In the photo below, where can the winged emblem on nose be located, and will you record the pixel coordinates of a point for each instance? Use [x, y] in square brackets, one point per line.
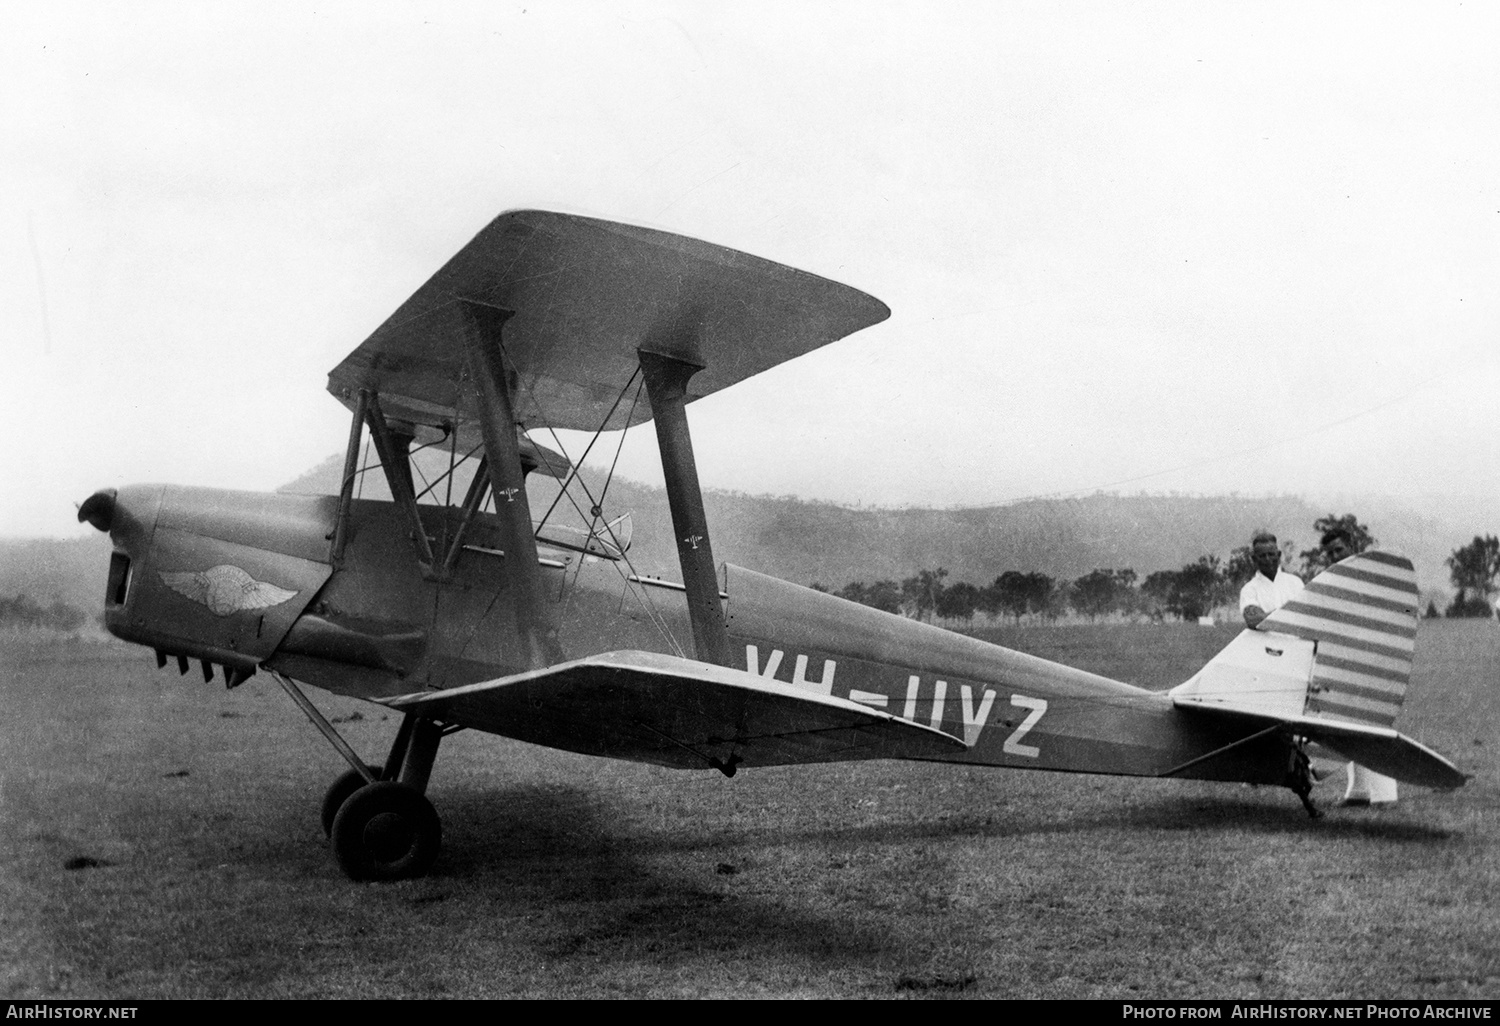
[225, 589]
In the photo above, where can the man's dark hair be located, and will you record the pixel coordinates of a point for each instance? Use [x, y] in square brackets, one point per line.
[1262, 536]
[1333, 534]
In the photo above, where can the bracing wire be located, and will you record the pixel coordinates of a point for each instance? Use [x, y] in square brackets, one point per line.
[578, 464]
[654, 615]
[360, 473]
[616, 462]
[447, 474]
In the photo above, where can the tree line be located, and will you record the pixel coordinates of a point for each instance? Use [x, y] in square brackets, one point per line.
[1473, 569]
[927, 595]
[1192, 591]
[21, 613]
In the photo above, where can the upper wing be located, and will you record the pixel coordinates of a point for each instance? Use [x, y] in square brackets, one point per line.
[677, 712]
[577, 297]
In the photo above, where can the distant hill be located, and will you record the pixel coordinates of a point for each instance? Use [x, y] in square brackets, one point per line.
[833, 545]
[807, 541]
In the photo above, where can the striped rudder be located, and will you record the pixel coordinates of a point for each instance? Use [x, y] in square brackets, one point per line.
[1362, 613]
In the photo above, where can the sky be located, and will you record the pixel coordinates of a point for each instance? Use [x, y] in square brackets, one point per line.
[1151, 247]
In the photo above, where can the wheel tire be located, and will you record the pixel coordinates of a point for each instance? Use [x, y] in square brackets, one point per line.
[386, 831]
[338, 793]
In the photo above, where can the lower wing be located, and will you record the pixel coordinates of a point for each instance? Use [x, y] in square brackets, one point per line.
[659, 709]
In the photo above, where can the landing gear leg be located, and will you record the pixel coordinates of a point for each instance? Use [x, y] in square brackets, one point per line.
[1299, 778]
[380, 822]
[388, 830]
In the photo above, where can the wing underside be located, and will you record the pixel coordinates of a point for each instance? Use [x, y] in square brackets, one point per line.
[571, 300]
[658, 709]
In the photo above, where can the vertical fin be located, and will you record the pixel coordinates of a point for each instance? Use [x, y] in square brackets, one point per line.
[1362, 614]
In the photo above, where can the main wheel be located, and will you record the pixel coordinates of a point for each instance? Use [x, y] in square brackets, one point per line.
[347, 783]
[386, 831]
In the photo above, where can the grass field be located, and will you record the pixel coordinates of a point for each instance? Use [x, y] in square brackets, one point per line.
[160, 839]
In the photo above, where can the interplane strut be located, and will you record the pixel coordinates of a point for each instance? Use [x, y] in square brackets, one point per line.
[494, 393]
[666, 388]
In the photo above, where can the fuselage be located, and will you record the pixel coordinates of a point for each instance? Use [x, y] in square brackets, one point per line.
[245, 580]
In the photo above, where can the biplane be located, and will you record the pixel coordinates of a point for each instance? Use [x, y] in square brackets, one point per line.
[456, 607]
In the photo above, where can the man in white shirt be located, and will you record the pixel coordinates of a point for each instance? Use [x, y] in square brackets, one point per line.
[1271, 587]
[1269, 590]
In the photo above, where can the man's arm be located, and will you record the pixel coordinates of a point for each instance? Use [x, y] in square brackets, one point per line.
[1253, 616]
